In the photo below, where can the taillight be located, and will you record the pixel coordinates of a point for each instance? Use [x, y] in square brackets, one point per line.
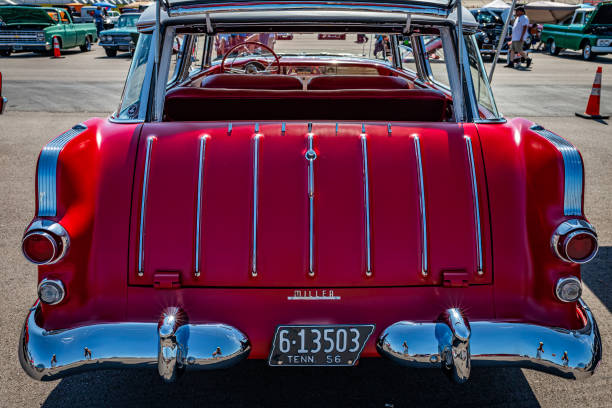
[575, 241]
[39, 247]
[45, 242]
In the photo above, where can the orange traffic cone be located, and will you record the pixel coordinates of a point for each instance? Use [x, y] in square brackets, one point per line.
[592, 109]
[56, 48]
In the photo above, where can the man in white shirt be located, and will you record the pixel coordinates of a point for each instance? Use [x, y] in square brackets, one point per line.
[519, 33]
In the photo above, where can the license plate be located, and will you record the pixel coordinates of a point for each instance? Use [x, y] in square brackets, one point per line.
[332, 345]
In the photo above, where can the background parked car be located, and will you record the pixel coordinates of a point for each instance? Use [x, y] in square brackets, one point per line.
[28, 29]
[588, 30]
[491, 25]
[123, 37]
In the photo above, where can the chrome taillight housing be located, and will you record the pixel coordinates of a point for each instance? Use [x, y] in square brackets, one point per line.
[575, 241]
[45, 242]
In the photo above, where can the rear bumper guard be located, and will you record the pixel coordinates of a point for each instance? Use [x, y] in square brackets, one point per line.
[454, 345]
[172, 345]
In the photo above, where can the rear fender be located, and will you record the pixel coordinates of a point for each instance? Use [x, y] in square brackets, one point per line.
[525, 175]
[93, 180]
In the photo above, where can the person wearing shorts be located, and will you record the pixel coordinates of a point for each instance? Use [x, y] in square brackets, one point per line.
[519, 33]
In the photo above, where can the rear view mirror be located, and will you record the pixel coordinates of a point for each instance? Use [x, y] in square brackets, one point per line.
[3, 100]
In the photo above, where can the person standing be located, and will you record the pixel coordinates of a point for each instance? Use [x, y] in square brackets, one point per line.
[519, 33]
[99, 20]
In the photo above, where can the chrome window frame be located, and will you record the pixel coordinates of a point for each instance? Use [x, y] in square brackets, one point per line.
[164, 67]
[466, 111]
[485, 77]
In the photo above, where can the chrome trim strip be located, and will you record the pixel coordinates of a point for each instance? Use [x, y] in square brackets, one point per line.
[177, 11]
[113, 119]
[366, 200]
[558, 351]
[143, 204]
[256, 139]
[49, 355]
[417, 149]
[468, 143]
[311, 156]
[572, 164]
[229, 129]
[202, 156]
[47, 171]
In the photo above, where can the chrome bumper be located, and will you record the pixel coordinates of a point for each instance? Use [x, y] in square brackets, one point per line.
[170, 345]
[455, 345]
[601, 49]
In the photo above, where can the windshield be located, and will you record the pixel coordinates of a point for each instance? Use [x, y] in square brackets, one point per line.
[486, 18]
[127, 21]
[338, 45]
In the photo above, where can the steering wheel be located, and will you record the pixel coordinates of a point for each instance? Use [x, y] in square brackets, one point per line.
[245, 44]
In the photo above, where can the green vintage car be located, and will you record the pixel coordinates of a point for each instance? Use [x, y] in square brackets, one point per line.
[26, 29]
[589, 30]
[123, 37]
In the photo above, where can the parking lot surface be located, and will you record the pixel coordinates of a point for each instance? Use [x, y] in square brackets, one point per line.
[48, 96]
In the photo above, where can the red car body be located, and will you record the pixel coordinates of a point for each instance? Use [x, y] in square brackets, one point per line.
[229, 228]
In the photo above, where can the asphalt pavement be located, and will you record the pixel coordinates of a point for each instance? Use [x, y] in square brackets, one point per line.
[48, 96]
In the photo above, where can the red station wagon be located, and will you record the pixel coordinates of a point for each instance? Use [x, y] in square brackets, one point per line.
[308, 202]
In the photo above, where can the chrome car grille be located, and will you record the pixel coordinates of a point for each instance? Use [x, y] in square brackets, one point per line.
[19, 36]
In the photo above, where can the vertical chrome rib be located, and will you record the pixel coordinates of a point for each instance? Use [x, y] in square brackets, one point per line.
[283, 128]
[470, 152]
[417, 149]
[388, 129]
[366, 197]
[229, 129]
[199, 203]
[143, 205]
[256, 141]
[311, 156]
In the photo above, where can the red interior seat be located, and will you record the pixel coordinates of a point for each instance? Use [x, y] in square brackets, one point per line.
[330, 82]
[202, 104]
[253, 81]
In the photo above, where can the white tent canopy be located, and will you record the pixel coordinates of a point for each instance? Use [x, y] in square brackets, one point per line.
[548, 12]
[496, 4]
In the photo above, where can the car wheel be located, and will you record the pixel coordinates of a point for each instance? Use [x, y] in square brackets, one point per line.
[110, 52]
[5, 53]
[552, 47]
[587, 53]
[87, 46]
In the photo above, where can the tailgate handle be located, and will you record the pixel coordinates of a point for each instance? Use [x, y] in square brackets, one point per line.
[455, 279]
[166, 280]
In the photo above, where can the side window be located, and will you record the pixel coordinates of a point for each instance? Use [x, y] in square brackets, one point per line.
[64, 17]
[578, 18]
[407, 55]
[435, 59]
[197, 54]
[175, 59]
